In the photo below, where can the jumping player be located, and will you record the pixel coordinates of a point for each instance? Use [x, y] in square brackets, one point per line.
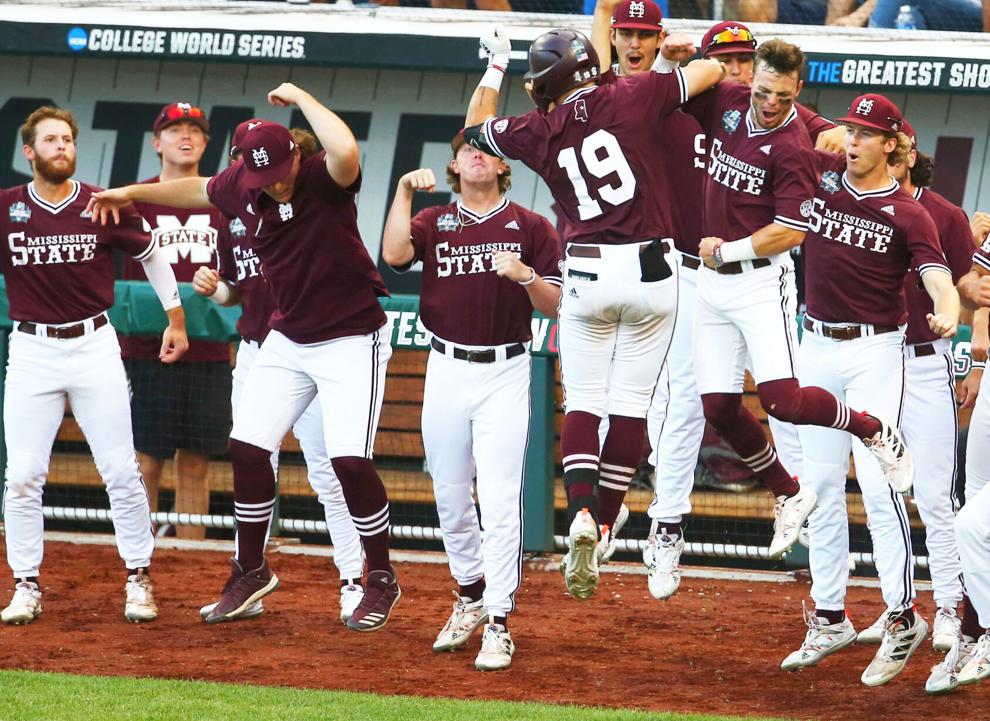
[59, 271]
[327, 337]
[600, 149]
[865, 234]
[241, 280]
[487, 263]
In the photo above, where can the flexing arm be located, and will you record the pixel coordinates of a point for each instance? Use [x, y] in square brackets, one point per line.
[342, 152]
[181, 193]
[768, 241]
[974, 288]
[397, 246]
[943, 293]
[702, 75]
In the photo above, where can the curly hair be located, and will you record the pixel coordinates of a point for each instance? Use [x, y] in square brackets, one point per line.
[780, 56]
[29, 130]
[924, 168]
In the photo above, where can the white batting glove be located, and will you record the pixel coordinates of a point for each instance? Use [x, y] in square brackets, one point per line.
[496, 46]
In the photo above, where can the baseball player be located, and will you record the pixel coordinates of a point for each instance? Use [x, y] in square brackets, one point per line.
[241, 280]
[760, 176]
[326, 338]
[59, 271]
[181, 409]
[487, 263]
[865, 233]
[600, 150]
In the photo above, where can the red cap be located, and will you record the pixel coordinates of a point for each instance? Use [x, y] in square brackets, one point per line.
[267, 153]
[239, 132]
[639, 14]
[874, 111]
[727, 37]
[908, 130]
[174, 112]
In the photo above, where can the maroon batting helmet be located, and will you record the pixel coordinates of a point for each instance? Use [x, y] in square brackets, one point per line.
[560, 60]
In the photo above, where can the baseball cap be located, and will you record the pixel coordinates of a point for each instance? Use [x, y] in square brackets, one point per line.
[874, 111]
[267, 153]
[727, 37]
[239, 132]
[174, 112]
[457, 141]
[638, 14]
[908, 130]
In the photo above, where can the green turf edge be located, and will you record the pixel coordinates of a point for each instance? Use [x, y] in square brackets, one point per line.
[26, 695]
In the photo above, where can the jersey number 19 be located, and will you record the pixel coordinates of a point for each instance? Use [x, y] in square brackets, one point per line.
[599, 164]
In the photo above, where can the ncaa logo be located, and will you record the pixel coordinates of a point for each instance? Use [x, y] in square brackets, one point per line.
[830, 182]
[260, 157]
[637, 9]
[77, 39]
[730, 120]
[865, 107]
[447, 223]
[237, 229]
[19, 213]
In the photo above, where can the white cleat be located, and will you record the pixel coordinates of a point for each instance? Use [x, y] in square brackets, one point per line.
[350, 597]
[606, 543]
[25, 605]
[662, 557]
[140, 605]
[873, 634]
[581, 561]
[496, 649]
[467, 617]
[789, 515]
[899, 642]
[892, 454]
[821, 640]
[253, 610]
[946, 629]
[945, 675]
[977, 667]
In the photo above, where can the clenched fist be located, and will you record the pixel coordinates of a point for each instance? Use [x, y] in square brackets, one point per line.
[421, 179]
[205, 281]
[941, 324]
[496, 47]
[508, 265]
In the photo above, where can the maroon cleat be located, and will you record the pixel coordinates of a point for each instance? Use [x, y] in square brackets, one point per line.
[381, 594]
[241, 591]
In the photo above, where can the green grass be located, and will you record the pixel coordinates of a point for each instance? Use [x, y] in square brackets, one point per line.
[26, 696]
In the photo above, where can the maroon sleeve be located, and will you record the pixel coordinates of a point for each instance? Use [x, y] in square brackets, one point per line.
[815, 123]
[226, 266]
[544, 252]
[316, 179]
[130, 236]
[663, 92]
[520, 138]
[922, 242]
[700, 106]
[829, 161]
[422, 230]
[958, 244]
[794, 181]
[225, 191]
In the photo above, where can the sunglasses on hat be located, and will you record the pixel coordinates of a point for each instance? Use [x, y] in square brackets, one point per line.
[178, 111]
[731, 35]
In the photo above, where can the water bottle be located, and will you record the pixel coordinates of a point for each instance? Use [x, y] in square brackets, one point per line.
[905, 19]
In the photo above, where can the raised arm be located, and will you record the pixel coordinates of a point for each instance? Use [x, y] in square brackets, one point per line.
[397, 245]
[702, 75]
[181, 193]
[601, 30]
[484, 101]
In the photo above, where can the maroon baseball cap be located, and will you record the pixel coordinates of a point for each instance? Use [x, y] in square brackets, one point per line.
[267, 153]
[726, 38]
[174, 112]
[638, 14]
[874, 111]
[908, 130]
[239, 132]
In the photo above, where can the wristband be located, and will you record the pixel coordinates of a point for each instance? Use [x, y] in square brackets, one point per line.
[532, 278]
[978, 364]
[222, 294]
[663, 66]
[492, 78]
[717, 254]
[741, 249]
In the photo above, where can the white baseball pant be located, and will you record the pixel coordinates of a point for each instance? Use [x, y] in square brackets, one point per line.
[867, 372]
[476, 424]
[973, 521]
[348, 554]
[41, 373]
[931, 429]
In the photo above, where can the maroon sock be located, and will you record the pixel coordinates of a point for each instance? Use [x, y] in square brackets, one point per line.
[832, 617]
[620, 456]
[367, 503]
[579, 447]
[971, 620]
[474, 591]
[254, 501]
[787, 401]
[744, 433]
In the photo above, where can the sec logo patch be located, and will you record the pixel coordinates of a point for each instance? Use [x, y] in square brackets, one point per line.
[806, 208]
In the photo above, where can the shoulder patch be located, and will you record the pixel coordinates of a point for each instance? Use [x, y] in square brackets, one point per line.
[731, 120]
[830, 181]
[447, 223]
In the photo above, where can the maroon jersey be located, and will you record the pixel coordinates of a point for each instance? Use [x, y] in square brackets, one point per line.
[322, 279]
[57, 262]
[463, 300]
[956, 240]
[241, 266]
[815, 123]
[602, 153]
[755, 176]
[982, 255]
[860, 247]
[686, 177]
[188, 239]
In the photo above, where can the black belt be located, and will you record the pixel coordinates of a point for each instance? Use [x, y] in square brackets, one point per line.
[846, 332]
[736, 266]
[688, 261]
[64, 332]
[594, 251]
[489, 355]
[924, 349]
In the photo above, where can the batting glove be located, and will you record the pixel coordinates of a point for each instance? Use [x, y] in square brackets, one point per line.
[496, 46]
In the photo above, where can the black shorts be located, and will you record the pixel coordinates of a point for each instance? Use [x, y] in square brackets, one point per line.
[181, 405]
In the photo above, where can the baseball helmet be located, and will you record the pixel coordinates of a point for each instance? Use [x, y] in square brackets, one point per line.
[560, 60]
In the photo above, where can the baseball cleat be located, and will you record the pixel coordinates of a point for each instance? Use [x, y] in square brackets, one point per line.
[944, 676]
[496, 649]
[892, 454]
[662, 557]
[606, 543]
[252, 611]
[350, 597]
[789, 515]
[140, 605]
[242, 590]
[381, 594]
[823, 638]
[900, 640]
[25, 605]
[581, 561]
[873, 634]
[977, 667]
[466, 618]
[945, 629]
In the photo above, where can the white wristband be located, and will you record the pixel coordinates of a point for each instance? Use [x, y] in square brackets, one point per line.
[222, 294]
[663, 65]
[978, 364]
[492, 78]
[741, 249]
[532, 278]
